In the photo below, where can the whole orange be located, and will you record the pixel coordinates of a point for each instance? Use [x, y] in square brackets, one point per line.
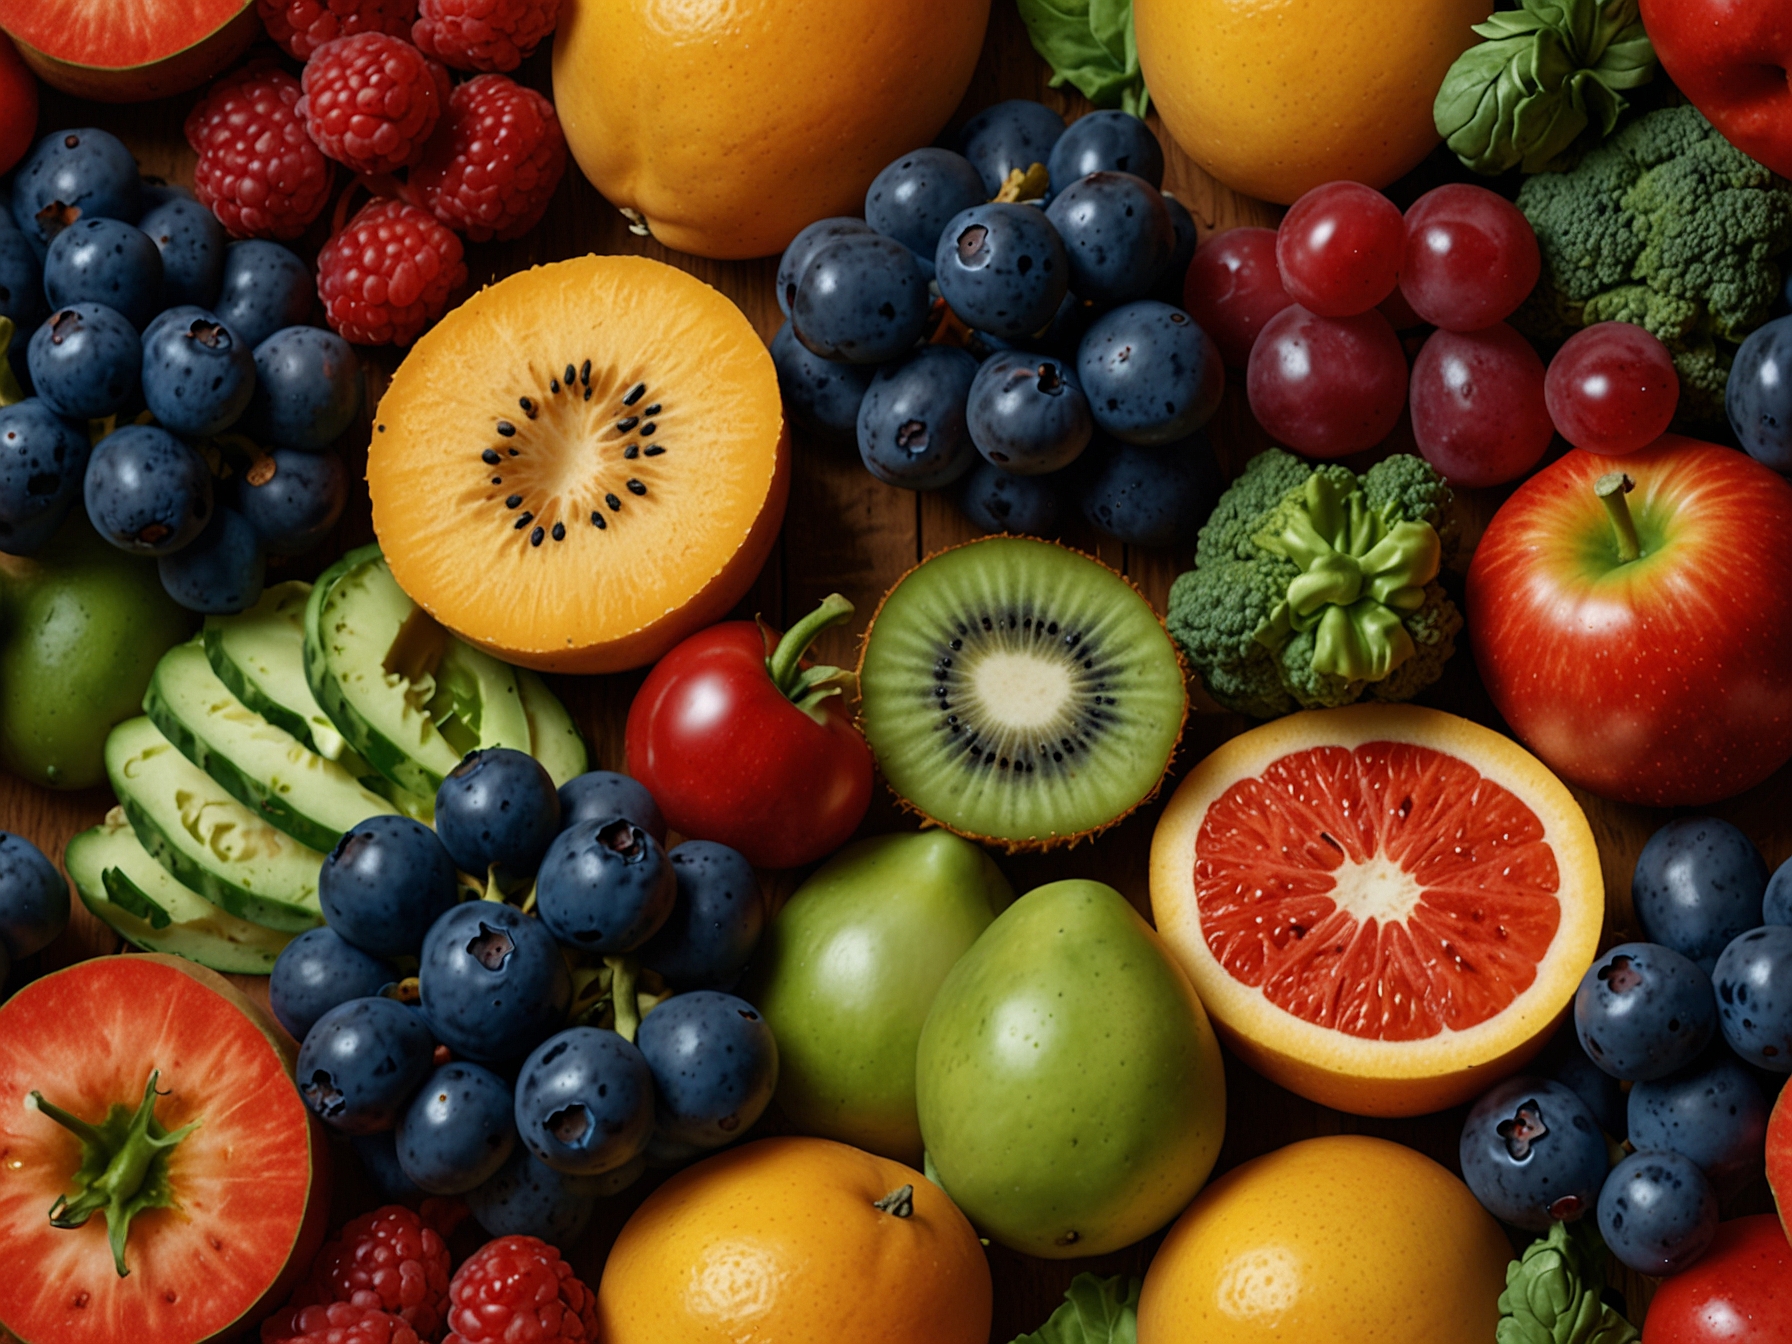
[729, 126]
[796, 1241]
[1274, 97]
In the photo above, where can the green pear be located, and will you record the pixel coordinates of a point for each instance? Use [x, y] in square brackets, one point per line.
[847, 971]
[1070, 1088]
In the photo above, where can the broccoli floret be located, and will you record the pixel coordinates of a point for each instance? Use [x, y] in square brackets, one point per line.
[1669, 226]
[1313, 587]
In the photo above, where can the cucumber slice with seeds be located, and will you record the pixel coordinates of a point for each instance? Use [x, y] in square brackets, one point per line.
[553, 737]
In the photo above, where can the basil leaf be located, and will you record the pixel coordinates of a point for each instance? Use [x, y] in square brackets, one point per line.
[1095, 1311]
[1090, 44]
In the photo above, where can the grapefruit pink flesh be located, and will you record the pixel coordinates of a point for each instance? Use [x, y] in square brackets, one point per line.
[129, 50]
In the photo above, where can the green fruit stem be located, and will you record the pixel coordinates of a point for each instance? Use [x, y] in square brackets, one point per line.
[10, 391]
[623, 974]
[807, 687]
[124, 1167]
[1611, 489]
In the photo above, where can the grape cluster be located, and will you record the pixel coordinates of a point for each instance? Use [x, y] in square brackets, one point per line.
[997, 324]
[176, 390]
[544, 1052]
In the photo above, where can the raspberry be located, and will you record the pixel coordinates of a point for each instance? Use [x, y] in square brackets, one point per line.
[518, 1290]
[483, 34]
[258, 169]
[493, 166]
[335, 1323]
[387, 1261]
[302, 26]
[388, 274]
[371, 101]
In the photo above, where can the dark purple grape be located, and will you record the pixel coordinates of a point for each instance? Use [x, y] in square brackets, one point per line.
[1657, 1213]
[1698, 884]
[307, 389]
[146, 491]
[496, 813]
[293, 508]
[458, 1130]
[1753, 981]
[265, 288]
[1711, 1112]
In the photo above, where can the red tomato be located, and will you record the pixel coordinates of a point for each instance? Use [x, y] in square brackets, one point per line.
[739, 743]
[1739, 1292]
[18, 105]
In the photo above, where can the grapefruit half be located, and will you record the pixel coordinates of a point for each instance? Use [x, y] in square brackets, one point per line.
[1384, 908]
[1779, 1156]
[129, 51]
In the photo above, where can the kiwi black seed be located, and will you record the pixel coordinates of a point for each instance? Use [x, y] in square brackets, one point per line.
[1017, 691]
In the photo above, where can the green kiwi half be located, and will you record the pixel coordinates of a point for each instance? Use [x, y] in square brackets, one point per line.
[1020, 692]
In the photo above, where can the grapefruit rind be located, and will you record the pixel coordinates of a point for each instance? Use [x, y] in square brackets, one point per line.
[145, 68]
[1779, 1156]
[1353, 1073]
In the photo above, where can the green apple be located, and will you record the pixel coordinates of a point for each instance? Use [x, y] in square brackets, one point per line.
[846, 973]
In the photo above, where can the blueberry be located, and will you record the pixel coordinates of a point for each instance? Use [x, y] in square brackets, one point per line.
[21, 292]
[378, 1154]
[497, 813]
[1117, 234]
[307, 389]
[1150, 496]
[1002, 269]
[1698, 884]
[605, 887]
[492, 981]
[584, 1102]
[1776, 905]
[294, 500]
[598, 795]
[714, 1066]
[821, 395]
[1657, 1213]
[198, 375]
[803, 248]
[1532, 1153]
[146, 491]
[912, 198]
[33, 898]
[862, 298]
[221, 571]
[1015, 134]
[457, 1131]
[192, 244]
[912, 430]
[361, 1062]
[1150, 373]
[716, 919]
[108, 262]
[153, 192]
[1565, 1061]
[1643, 1011]
[386, 882]
[73, 175]
[265, 288]
[1026, 413]
[1170, 280]
[998, 501]
[316, 972]
[1758, 394]
[1711, 1112]
[530, 1199]
[1754, 997]
[43, 463]
[1106, 142]
[85, 361]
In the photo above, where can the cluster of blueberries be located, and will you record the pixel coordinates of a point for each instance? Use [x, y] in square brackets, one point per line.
[1678, 1047]
[146, 337]
[528, 1026]
[1052, 366]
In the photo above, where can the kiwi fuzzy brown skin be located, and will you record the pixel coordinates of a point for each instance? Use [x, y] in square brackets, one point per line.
[1033, 844]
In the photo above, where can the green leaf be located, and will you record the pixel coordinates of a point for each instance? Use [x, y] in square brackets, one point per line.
[1095, 1311]
[1553, 1293]
[1090, 44]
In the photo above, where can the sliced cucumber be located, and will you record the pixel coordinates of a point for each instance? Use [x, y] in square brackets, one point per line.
[130, 891]
[265, 768]
[208, 840]
[553, 737]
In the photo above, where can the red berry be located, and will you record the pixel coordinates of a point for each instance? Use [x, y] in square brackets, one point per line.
[371, 101]
[387, 1260]
[1327, 386]
[1471, 257]
[1233, 288]
[483, 34]
[1339, 249]
[1478, 413]
[517, 1290]
[302, 26]
[493, 167]
[259, 170]
[388, 274]
[335, 1323]
[1612, 388]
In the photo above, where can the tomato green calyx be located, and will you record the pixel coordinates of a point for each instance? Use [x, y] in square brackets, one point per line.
[124, 1166]
[899, 1203]
[807, 687]
[10, 391]
[1611, 489]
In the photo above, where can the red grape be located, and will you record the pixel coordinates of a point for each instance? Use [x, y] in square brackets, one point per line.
[1327, 386]
[1233, 288]
[1339, 249]
[1471, 257]
[1477, 405]
[1612, 388]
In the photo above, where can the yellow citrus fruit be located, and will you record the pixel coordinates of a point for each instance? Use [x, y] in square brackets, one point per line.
[1274, 97]
[1345, 1239]
[1384, 908]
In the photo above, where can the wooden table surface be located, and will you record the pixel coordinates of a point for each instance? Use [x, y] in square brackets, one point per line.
[849, 533]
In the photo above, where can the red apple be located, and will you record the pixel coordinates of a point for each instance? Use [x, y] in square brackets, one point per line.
[1779, 1156]
[1654, 668]
[1730, 57]
[1739, 1291]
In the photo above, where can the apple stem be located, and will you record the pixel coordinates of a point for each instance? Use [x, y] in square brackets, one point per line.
[1611, 489]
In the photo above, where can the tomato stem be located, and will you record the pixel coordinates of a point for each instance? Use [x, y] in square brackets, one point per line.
[1611, 489]
[807, 687]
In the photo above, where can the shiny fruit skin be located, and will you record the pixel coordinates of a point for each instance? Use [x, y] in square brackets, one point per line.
[1478, 413]
[1739, 1292]
[1345, 1238]
[18, 106]
[1232, 288]
[1339, 249]
[781, 1240]
[1667, 681]
[1471, 257]
[730, 127]
[1327, 386]
[1779, 1156]
[1612, 388]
